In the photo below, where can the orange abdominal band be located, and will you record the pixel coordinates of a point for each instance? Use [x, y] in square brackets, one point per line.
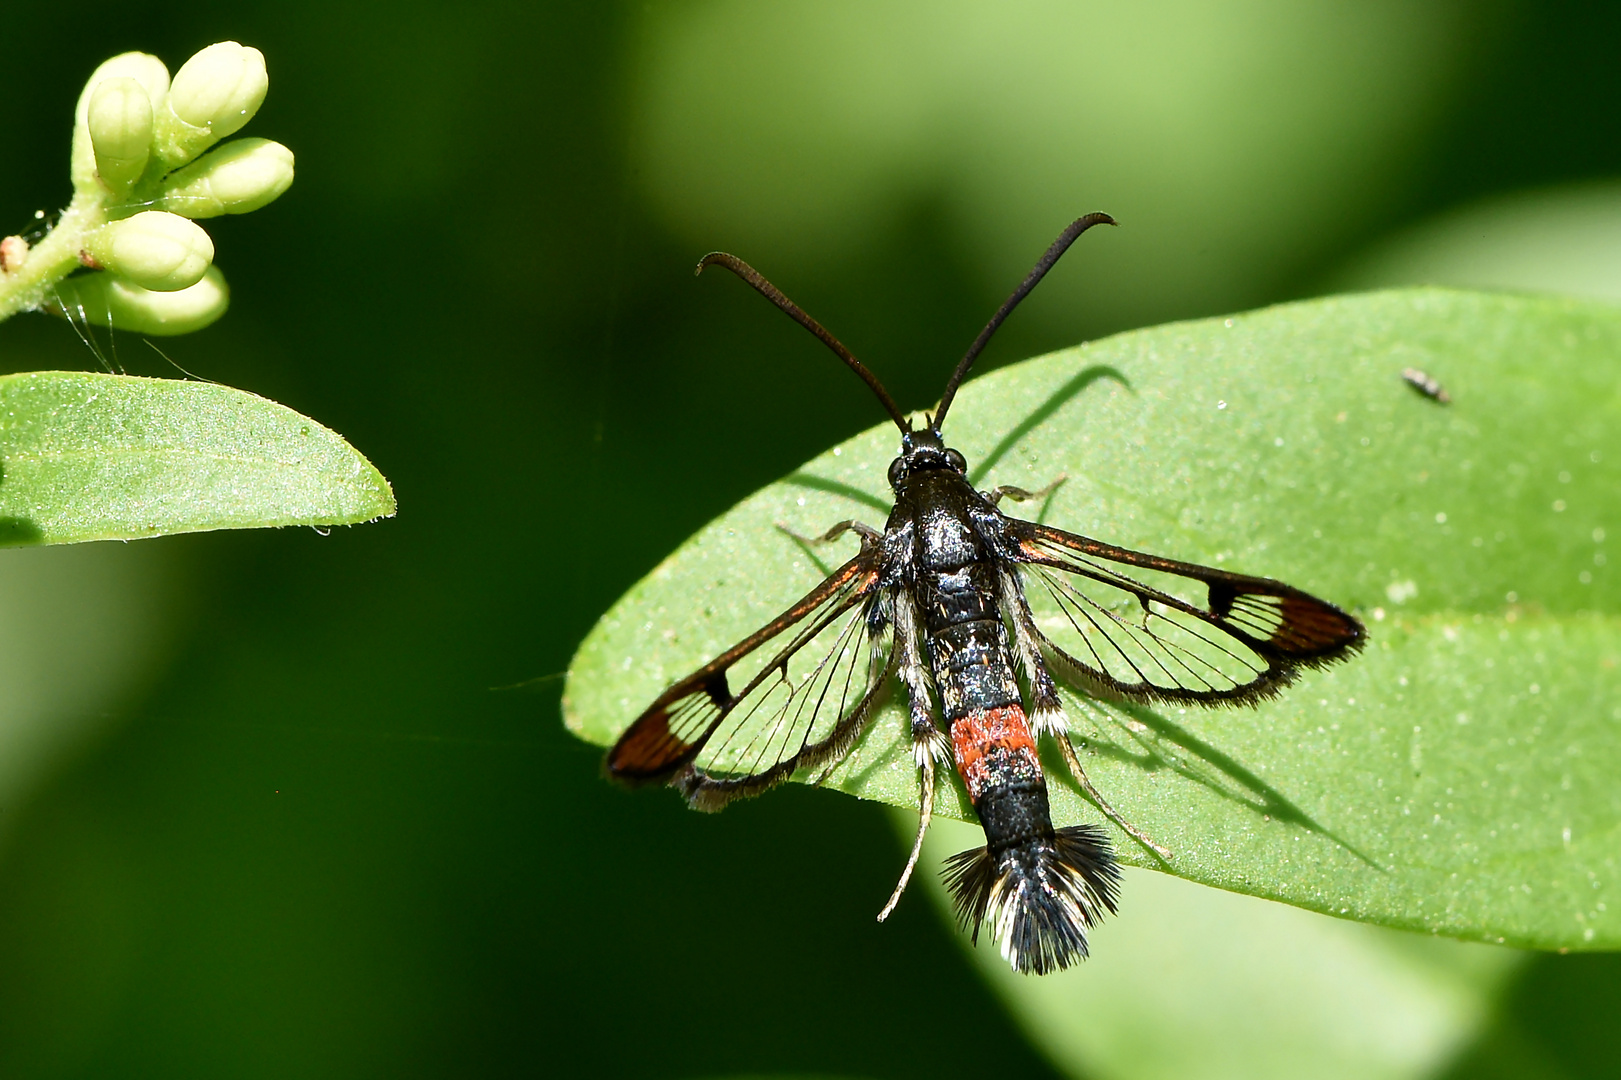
[992, 743]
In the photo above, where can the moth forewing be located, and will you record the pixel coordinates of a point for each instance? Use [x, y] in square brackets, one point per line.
[744, 701]
[1203, 635]
[1138, 642]
[797, 698]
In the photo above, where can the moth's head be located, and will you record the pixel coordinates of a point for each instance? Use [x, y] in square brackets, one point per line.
[921, 451]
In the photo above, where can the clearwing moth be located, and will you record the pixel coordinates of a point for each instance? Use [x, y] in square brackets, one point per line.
[941, 598]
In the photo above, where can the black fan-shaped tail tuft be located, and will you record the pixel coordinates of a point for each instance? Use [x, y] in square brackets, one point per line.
[1039, 897]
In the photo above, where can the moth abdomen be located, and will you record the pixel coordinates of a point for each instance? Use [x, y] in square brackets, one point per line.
[1038, 896]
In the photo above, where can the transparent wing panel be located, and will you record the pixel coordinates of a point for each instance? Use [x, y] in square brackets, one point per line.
[791, 695]
[1150, 628]
[796, 699]
[1137, 641]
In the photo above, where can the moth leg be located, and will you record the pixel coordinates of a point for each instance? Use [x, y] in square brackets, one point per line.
[1046, 711]
[925, 815]
[1018, 494]
[867, 533]
[1047, 714]
[929, 744]
[1074, 762]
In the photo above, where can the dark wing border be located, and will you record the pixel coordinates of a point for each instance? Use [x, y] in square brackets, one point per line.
[650, 751]
[1297, 630]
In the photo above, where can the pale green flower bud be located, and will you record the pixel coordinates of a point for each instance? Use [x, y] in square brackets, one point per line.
[220, 88]
[145, 69]
[120, 122]
[109, 300]
[155, 250]
[240, 176]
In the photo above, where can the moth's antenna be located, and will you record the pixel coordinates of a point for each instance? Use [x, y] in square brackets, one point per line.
[1044, 264]
[793, 310]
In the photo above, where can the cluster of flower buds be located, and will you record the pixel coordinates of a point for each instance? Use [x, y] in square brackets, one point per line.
[141, 146]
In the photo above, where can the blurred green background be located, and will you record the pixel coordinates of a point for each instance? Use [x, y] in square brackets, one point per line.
[275, 803]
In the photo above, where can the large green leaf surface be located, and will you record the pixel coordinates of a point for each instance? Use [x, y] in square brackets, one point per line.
[1460, 775]
[87, 456]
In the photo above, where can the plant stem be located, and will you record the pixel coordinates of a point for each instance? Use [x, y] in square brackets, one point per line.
[53, 258]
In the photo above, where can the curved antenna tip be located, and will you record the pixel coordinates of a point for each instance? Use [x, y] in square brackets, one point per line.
[793, 311]
[1039, 271]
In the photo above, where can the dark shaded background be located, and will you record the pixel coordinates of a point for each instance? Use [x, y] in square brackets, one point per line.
[321, 844]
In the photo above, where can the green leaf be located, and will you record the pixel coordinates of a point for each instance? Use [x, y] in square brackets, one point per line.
[1459, 775]
[1251, 989]
[110, 457]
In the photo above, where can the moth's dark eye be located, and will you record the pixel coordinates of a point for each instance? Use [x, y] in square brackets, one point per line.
[897, 469]
[956, 461]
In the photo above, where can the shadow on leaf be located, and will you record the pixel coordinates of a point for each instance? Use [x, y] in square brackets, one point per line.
[1041, 413]
[1161, 744]
[19, 532]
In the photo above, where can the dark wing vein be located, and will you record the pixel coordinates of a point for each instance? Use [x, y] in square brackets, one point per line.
[1152, 636]
[801, 705]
